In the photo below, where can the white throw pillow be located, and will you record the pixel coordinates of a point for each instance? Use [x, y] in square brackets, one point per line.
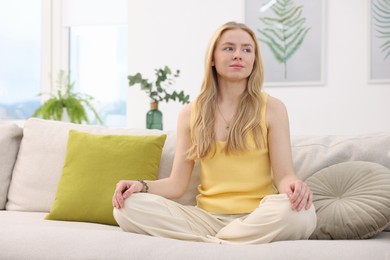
[313, 153]
[42, 152]
[10, 136]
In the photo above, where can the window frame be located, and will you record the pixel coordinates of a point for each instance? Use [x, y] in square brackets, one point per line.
[55, 47]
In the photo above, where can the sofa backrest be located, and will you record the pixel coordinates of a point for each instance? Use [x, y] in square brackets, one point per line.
[10, 136]
[313, 153]
[39, 163]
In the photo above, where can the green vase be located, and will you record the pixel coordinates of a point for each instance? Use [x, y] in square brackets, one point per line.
[154, 117]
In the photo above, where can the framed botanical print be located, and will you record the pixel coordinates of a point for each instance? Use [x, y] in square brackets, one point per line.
[291, 34]
[379, 41]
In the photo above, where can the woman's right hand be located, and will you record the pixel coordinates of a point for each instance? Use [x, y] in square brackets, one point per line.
[123, 190]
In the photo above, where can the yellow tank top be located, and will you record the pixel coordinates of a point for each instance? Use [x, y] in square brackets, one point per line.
[236, 183]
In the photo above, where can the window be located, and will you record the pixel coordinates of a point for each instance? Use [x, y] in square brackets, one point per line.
[20, 63]
[90, 43]
[98, 65]
[96, 47]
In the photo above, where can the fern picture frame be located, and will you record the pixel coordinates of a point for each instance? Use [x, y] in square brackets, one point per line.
[379, 41]
[291, 34]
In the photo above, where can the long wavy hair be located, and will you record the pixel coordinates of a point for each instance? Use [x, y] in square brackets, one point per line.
[247, 117]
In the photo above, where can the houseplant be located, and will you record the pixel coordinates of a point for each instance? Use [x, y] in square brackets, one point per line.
[67, 103]
[158, 91]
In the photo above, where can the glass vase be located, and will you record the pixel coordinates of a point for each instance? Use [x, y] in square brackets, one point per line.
[154, 117]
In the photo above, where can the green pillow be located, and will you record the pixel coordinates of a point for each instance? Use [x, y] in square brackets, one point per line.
[93, 166]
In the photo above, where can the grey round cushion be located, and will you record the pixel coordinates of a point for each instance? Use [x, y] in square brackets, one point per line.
[352, 200]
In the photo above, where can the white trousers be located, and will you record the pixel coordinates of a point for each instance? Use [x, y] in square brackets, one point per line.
[273, 220]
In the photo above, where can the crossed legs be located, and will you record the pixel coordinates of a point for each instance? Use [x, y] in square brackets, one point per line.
[272, 221]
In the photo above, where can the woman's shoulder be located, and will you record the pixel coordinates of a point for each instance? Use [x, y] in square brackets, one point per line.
[186, 110]
[185, 114]
[274, 104]
[276, 110]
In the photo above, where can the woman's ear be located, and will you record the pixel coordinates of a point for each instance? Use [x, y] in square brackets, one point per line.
[212, 63]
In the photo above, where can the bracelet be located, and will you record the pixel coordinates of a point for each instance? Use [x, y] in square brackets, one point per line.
[145, 187]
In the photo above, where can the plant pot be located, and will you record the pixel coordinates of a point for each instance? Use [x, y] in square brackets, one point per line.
[65, 117]
[154, 117]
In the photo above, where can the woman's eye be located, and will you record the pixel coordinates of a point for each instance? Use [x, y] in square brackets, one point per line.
[228, 49]
[247, 50]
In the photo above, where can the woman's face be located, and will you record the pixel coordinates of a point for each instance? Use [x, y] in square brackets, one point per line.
[234, 55]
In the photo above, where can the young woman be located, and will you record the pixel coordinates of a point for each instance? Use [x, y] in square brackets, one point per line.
[248, 192]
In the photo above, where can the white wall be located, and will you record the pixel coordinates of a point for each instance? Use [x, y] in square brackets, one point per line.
[176, 33]
[173, 33]
[347, 104]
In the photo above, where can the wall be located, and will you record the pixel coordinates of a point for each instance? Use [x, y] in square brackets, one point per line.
[173, 33]
[176, 33]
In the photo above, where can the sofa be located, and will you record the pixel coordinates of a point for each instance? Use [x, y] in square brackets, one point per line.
[45, 209]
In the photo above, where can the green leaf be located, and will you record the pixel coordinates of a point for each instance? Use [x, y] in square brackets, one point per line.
[66, 99]
[284, 32]
[158, 89]
[297, 42]
[381, 17]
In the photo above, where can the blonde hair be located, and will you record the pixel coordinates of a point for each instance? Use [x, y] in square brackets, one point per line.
[247, 117]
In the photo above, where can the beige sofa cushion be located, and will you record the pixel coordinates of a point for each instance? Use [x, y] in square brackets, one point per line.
[313, 153]
[352, 200]
[41, 157]
[10, 136]
[26, 235]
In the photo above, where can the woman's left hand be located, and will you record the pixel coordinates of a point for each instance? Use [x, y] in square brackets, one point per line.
[300, 195]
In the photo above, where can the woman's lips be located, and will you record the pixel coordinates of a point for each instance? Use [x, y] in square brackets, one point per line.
[236, 66]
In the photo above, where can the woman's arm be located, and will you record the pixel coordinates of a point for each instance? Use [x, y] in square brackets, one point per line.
[176, 184]
[281, 157]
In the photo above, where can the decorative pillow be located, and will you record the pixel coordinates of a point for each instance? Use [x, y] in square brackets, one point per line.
[352, 200]
[313, 153]
[10, 136]
[92, 167]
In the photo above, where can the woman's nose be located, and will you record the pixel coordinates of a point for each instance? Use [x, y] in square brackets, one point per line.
[237, 55]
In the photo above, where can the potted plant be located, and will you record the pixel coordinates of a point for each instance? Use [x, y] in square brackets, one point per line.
[67, 103]
[158, 91]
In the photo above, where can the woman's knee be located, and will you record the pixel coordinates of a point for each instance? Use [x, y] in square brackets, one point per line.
[301, 222]
[135, 210]
[137, 204]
